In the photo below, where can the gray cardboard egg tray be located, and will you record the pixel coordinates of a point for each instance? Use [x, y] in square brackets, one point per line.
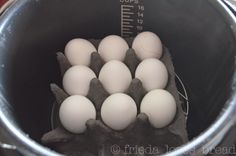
[99, 139]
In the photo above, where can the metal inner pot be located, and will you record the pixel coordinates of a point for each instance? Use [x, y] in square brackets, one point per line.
[199, 33]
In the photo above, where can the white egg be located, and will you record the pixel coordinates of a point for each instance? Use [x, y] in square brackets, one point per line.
[76, 80]
[115, 77]
[152, 73]
[147, 45]
[75, 111]
[78, 51]
[113, 47]
[118, 111]
[160, 107]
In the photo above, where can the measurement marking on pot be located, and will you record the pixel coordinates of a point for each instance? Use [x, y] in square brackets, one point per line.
[131, 20]
[129, 6]
[129, 13]
[126, 9]
[132, 17]
[126, 23]
[126, 16]
[128, 26]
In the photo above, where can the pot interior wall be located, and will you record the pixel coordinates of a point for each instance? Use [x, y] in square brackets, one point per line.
[200, 41]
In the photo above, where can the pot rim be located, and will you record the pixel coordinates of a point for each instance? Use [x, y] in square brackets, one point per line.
[216, 131]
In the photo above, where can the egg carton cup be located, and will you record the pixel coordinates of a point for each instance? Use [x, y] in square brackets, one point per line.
[99, 139]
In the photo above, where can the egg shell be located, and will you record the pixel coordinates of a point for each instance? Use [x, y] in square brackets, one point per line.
[75, 111]
[160, 107]
[115, 77]
[152, 73]
[147, 45]
[118, 111]
[78, 51]
[76, 80]
[113, 47]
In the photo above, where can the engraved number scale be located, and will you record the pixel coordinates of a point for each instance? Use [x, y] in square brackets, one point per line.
[132, 17]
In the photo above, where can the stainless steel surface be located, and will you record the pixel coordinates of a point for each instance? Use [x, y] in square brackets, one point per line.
[231, 3]
[208, 139]
[217, 131]
[6, 149]
[24, 144]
